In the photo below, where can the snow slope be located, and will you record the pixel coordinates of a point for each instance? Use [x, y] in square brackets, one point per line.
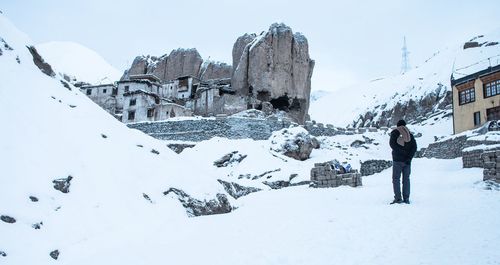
[344, 106]
[50, 132]
[78, 62]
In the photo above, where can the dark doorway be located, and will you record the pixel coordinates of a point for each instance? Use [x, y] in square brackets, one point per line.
[281, 103]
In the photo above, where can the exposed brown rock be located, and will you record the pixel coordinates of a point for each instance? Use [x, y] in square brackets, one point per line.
[179, 62]
[275, 66]
[215, 70]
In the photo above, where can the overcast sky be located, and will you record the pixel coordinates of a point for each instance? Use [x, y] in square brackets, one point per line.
[351, 41]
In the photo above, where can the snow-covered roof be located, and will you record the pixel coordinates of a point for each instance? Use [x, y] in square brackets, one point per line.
[473, 76]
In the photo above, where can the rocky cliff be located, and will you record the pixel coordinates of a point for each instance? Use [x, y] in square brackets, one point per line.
[215, 70]
[179, 62]
[275, 67]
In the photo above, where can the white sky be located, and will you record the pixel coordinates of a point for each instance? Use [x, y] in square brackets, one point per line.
[351, 41]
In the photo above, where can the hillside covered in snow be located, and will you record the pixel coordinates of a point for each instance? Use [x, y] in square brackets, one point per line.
[78, 187]
[413, 95]
[78, 63]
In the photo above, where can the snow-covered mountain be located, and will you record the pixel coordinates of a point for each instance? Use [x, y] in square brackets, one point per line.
[53, 132]
[116, 212]
[412, 95]
[78, 63]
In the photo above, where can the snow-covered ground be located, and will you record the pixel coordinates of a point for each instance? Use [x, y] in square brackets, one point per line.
[50, 132]
[452, 220]
[79, 62]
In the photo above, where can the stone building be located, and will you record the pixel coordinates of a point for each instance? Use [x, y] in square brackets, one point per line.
[103, 95]
[142, 97]
[476, 99]
[140, 105]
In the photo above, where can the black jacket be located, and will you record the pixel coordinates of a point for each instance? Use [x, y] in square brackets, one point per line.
[402, 153]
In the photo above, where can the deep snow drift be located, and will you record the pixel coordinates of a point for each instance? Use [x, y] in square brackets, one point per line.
[78, 62]
[52, 132]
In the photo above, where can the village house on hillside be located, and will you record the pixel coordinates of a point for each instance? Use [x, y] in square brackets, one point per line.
[476, 99]
[145, 97]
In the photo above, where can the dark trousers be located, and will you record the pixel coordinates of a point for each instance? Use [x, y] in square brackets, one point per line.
[397, 169]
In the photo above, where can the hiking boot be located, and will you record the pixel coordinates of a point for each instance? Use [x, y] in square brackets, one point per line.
[396, 201]
[407, 201]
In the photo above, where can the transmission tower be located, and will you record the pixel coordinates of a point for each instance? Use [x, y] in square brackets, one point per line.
[405, 59]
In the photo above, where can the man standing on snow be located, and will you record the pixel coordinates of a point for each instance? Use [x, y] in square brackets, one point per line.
[403, 147]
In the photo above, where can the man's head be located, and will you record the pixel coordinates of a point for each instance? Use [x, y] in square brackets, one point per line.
[401, 123]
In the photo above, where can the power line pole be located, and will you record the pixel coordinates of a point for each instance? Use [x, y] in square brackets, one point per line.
[405, 60]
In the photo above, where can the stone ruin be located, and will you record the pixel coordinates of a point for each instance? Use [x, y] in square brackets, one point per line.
[324, 175]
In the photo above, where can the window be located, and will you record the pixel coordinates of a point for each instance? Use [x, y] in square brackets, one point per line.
[131, 115]
[89, 92]
[477, 118]
[114, 92]
[183, 82]
[104, 91]
[151, 113]
[491, 89]
[132, 102]
[493, 114]
[127, 88]
[466, 96]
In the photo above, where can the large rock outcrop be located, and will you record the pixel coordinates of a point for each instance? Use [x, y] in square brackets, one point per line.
[413, 111]
[179, 62]
[215, 70]
[239, 46]
[275, 67]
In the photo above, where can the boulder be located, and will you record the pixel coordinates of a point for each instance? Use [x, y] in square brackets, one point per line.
[229, 159]
[8, 219]
[62, 184]
[236, 190]
[295, 142]
[275, 67]
[196, 207]
[54, 254]
[178, 148]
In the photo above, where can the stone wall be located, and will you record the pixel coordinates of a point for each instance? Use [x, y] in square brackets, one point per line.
[231, 127]
[205, 129]
[448, 149]
[371, 167]
[452, 147]
[323, 175]
[491, 170]
[472, 158]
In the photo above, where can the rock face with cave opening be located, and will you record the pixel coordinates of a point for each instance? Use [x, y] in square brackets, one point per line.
[274, 67]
